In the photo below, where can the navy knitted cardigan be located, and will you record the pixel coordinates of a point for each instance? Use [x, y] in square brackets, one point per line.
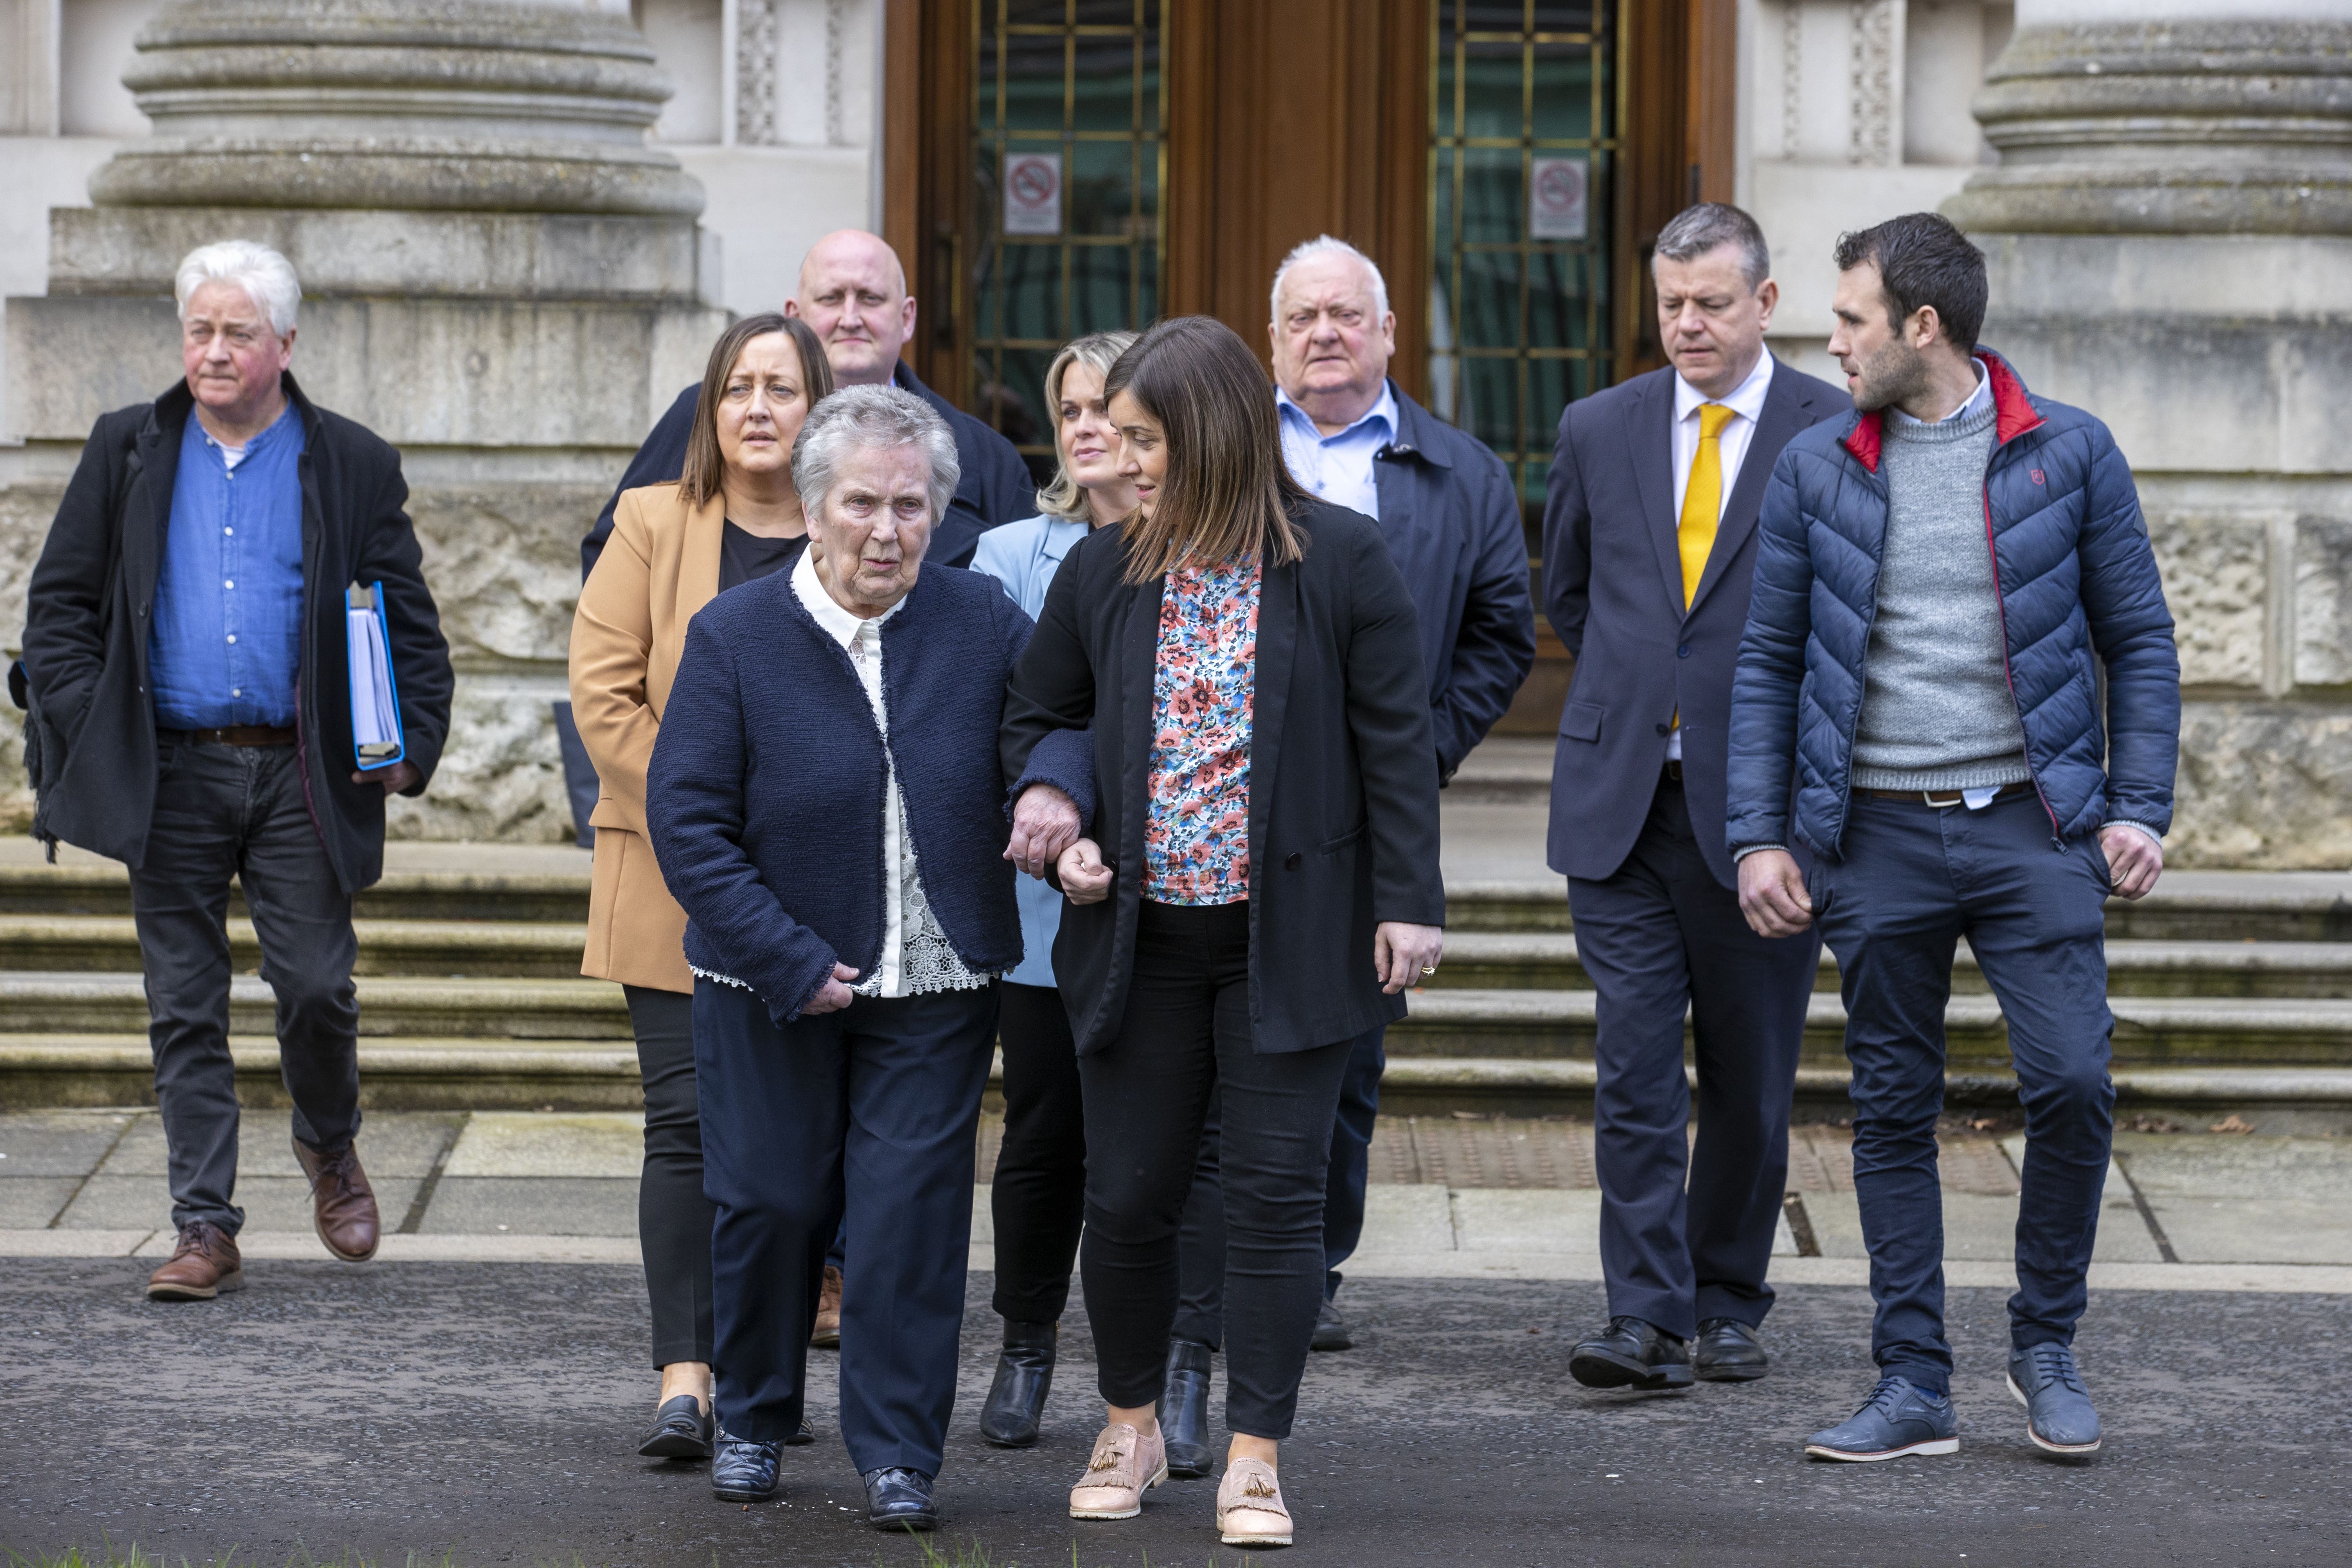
[765, 795]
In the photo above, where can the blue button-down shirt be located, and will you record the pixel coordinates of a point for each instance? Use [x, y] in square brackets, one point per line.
[1341, 469]
[228, 602]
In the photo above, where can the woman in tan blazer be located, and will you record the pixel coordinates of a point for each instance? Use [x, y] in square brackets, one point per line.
[732, 517]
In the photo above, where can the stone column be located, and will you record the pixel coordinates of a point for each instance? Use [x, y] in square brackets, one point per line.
[2170, 235]
[500, 276]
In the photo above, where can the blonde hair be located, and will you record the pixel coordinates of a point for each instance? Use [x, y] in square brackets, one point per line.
[1099, 351]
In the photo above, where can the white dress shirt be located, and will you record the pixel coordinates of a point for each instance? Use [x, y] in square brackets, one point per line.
[1343, 469]
[915, 954]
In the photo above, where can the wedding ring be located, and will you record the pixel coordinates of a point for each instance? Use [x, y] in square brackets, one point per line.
[1429, 969]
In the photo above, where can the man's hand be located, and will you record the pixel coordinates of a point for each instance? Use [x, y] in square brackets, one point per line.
[2135, 860]
[394, 779]
[834, 995]
[1405, 955]
[1085, 879]
[1772, 894]
[1044, 823]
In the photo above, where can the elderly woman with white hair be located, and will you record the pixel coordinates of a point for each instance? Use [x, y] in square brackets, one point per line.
[825, 802]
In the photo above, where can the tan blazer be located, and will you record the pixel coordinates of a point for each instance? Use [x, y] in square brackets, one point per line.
[660, 565]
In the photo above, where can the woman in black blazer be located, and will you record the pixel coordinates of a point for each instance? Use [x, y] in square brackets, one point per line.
[1247, 658]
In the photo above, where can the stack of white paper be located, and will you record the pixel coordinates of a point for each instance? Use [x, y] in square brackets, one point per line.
[375, 712]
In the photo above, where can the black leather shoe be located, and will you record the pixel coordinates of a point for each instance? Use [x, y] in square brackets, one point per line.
[802, 1438]
[1728, 1351]
[1184, 1410]
[1025, 1371]
[744, 1471]
[682, 1430]
[900, 1500]
[1331, 1329]
[1631, 1353]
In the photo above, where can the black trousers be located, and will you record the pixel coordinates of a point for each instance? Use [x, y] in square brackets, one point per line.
[1038, 1200]
[860, 1120]
[1185, 1039]
[224, 811]
[673, 1216]
[1686, 1229]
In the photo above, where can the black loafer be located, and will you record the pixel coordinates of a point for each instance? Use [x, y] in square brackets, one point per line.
[682, 1430]
[1184, 1410]
[900, 1500]
[1331, 1329]
[1631, 1353]
[1728, 1351]
[744, 1471]
[1024, 1372]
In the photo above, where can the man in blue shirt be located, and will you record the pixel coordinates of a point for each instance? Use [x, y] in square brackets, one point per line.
[186, 663]
[1452, 519]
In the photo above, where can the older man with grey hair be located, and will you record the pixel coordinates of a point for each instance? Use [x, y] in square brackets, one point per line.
[825, 800]
[187, 665]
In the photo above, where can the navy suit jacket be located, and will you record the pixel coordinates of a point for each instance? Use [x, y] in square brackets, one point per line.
[1613, 590]
[994, 489]
[1451, 517]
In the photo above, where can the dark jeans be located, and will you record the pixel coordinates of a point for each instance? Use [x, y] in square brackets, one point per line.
[673, 1216]
[1686, 1226]
[1185, 1040]
[1038, 1199]
[860, 1120]
[224, 811]
[1201, 1300]
[1910, 882]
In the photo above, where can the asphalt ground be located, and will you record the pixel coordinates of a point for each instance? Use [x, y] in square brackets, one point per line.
[488, 1411]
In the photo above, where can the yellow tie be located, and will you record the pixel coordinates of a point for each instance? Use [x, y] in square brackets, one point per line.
[1703, 499]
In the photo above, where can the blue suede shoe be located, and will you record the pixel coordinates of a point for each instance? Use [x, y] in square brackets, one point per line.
[2058, 1413]
[744, 1471]
[1898, 1418]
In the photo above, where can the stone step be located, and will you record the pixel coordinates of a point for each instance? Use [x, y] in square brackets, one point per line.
[448, 949]
[84, 886]
[1484, 961]
[397, 1005]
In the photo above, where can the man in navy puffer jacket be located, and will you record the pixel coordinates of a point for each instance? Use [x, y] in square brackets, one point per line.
[1940, 581]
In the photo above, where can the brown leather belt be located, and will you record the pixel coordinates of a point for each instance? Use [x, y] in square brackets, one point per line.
[234, 735]
[1943, 802]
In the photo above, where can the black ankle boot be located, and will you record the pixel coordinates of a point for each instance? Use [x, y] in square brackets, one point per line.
[1184, 1409]
[1025, 1371]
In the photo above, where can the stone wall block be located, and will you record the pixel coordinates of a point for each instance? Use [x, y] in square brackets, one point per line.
[503, 562]
[501, 778]
[2262, 786]
[2322, 612]
[2216, 581]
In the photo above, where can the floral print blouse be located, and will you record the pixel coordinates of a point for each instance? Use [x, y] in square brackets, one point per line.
[1196, 835]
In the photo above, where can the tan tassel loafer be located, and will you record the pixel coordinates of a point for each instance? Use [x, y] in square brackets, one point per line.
[1126, 1465]
[1250, 1510]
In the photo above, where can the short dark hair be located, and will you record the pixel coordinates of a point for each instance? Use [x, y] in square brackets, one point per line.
[1922, 260]
[1693, 231]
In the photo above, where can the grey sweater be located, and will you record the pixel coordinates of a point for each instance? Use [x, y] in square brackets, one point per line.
[1936, 711]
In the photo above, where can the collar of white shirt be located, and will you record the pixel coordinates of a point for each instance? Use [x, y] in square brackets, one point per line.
[1747, 399]
[1981, 395]
[1385, 411]
[838, 623]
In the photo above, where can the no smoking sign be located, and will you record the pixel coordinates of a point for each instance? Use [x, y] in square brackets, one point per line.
[1033, 192]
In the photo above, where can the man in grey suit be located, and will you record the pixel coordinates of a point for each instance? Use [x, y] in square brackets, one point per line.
[1649, 543]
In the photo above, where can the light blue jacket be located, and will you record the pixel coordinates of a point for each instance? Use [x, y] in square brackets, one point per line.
[1023, 556]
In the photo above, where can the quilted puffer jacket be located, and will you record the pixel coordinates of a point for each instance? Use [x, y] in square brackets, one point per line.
[2078, 588]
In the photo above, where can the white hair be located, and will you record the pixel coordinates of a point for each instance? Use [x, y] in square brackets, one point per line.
[267, 277]
[1325, 245]
[881, 416]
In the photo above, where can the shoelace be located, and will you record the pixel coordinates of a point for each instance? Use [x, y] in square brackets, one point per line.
[1885, 1396]
[2055, 1363]
[197, 1237]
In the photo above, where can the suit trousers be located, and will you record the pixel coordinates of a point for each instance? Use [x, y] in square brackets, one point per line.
[1037, 1201]
[225, 812]
[860, 1120]
[1686, 1226]
[1910, 882]
[1186, 1041]
[673, 1216]
[1201, 1300]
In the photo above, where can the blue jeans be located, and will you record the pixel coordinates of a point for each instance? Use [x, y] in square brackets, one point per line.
[1911, 880]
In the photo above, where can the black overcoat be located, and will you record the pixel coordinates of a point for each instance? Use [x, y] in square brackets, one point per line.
[1343, 830]
[92, 595]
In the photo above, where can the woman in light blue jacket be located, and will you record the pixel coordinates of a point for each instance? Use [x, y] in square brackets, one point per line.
[1040, 1185]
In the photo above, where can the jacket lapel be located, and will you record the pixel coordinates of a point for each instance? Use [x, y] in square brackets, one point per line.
[1652, 439]
[1139, 659]
[697, 562]
[142, 535]
[1277, 644]
[1782, 416]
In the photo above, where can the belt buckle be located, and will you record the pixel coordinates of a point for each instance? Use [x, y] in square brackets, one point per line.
[1928, 795]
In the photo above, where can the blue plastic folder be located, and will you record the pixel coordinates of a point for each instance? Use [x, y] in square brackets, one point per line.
[375, 695]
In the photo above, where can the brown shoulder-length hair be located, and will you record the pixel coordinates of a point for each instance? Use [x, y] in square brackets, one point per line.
[706, 469]
[1229, 495]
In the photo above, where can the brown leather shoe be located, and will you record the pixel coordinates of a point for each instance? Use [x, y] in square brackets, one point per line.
[341, 1202]
[825, 1335]
[204, 1264]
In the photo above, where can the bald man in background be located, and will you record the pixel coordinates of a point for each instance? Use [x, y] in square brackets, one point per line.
[853, 292]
